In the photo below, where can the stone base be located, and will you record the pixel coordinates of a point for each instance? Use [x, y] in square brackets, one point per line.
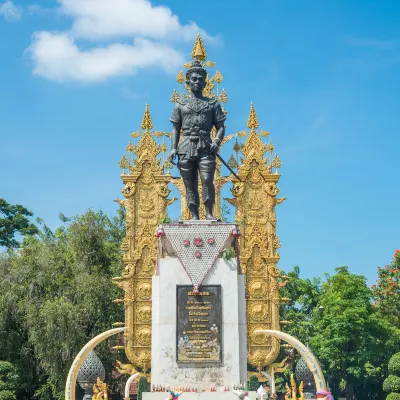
[164, 367]
[192, 396]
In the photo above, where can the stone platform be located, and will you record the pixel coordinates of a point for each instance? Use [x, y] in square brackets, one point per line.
[192, 396]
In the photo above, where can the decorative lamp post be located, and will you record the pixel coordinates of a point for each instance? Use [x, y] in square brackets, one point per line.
[91, 369]
[303, 374]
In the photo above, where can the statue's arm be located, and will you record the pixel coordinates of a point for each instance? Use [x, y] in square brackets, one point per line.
[219, 137]
[219, 123]
[176, 133]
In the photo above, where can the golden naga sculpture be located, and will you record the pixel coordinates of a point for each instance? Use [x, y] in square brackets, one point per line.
[146, 193]
[125, 369]
[255, 200]
[146, 199]
[100, 390]
[291, 392]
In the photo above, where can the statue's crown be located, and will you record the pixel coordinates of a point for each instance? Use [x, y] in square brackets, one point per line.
[197, 67]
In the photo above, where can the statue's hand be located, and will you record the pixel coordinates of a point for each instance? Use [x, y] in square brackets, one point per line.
[214, 148]
[173, 154]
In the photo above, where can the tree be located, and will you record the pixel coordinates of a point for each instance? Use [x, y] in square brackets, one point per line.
[8, 381]
[387, 299]
[392, 382]
[14, 219]
[348, 333]
[304, 296]
[55, 295]
[143, 386]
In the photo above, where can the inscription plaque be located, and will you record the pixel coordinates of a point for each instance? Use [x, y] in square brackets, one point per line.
[199, 324]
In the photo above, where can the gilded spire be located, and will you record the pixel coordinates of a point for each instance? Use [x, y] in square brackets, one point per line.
[199, 52]
[252, 122]
[147, 122]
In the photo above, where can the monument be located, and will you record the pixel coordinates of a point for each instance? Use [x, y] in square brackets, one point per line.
[201, 296]
[196, 292]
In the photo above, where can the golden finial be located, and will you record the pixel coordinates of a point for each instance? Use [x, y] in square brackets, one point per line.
[129, 148]
[124, 163]
[218, 77]
[270, 147]
[252, 122]
[199, 51]
[236, 146]
[276, 162]
[180, 78]
[147, 122]
[232, 162]
[223, 97]
[164, 147]
[175, 96]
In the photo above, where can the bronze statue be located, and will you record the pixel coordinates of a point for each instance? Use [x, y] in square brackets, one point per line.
[196, 152]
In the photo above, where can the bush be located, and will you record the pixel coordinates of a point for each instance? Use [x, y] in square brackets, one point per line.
[394, 364]
[253, 383]
[7, 395]
[393, 396]
[142, 387]
[391, 384]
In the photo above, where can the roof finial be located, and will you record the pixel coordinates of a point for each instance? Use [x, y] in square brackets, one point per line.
[147, 122]
[252, 122]
[199, 52]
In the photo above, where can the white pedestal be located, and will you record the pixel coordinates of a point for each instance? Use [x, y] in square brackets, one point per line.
[192, 396]
[164, 368]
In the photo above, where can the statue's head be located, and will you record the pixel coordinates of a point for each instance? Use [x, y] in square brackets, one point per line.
[196, 77]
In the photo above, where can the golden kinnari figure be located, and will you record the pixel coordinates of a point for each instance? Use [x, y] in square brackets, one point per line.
[146, 197]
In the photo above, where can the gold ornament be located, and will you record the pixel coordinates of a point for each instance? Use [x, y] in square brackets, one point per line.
[147, 122]
[175, 96]
[255, 201]
[124, 163]
[180, 78]
[199, 51]
[223, 97]
[218, 77]
[146, 199]
[252, 122]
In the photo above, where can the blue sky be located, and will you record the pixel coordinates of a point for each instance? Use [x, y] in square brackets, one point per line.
[324, 78]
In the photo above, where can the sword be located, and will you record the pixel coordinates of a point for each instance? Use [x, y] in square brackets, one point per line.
[218, 156]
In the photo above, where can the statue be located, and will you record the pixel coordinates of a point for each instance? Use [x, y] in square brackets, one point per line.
[196, 152]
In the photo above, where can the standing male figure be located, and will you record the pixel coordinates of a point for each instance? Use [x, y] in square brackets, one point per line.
[196, 151]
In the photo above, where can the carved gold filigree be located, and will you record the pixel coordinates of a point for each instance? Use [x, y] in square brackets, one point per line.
[146, 198]
[255, 201]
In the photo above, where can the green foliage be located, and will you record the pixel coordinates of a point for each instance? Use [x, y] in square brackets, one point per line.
[392, 384]
[393, 396]
[8, 380]
[228, 254]
[348, 333]
[14, 219]
[253, 383]
[225, 211]
[143, 386]
[55, 296]
[394, 364]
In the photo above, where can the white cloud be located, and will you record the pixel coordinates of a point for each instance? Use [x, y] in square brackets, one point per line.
[99, 19]
[10, 11]
[57, 57]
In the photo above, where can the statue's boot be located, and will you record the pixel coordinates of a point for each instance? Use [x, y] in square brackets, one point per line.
[194, 210]
[208, 205]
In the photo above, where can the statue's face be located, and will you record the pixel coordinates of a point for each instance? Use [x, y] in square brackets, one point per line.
[196, 82]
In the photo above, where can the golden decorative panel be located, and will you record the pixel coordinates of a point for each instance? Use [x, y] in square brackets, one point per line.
[146, 199]
[255, 200]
